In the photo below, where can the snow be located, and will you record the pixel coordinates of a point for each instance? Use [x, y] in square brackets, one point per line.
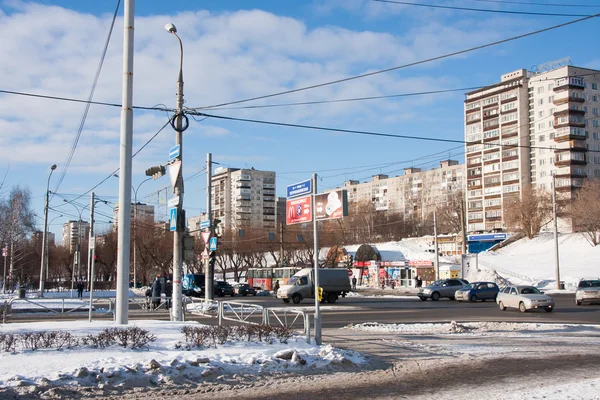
[523, 262]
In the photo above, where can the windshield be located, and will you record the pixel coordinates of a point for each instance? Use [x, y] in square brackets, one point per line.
[594, 283]
[468, 287]
[438, 282]
[530, 290]
[293, 280]
[199, 280]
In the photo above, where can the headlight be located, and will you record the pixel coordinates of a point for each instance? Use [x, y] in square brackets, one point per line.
[426, 290]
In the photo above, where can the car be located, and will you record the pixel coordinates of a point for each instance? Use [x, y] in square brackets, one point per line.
[588, 291]
[223, 288]
[442, 288]
[244, 289]
[524, 298]
[477, 291]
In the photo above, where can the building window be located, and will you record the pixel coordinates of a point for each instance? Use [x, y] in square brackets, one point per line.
[550, 99]
[541, 114]
[595, 123]
[541, 102]
[540, 90]
[595, 86]
[595, 135]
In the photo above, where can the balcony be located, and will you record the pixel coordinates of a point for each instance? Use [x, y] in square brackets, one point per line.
[268, 192]
[571, 120]
[568, 158]
[570, 82]
[568, 133]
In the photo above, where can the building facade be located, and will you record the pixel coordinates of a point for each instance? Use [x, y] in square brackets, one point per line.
[141, 212]
[244, 198]
[75, 232]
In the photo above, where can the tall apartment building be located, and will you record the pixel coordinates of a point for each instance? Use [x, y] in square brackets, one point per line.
[74, 232]
[555, 112]
[416, 193]
[144, 213]
[244, 198]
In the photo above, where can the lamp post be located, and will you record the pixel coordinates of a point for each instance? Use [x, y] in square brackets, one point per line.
[77, 246]
[180, 124]
[135, 204]
[45, 233]
[47, 249]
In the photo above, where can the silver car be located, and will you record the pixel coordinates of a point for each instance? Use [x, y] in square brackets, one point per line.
[524, 298]
[442, 288]
[588, 291]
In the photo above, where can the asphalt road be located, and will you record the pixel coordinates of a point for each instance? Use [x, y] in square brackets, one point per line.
[407, 309]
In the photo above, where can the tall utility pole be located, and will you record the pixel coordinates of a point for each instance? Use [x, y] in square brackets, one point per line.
[209, 272]
[178, 124]
[91, 253]
[44, 265]
[556, 258]
[435, 244]
[316, 261]
[123, 243]
[281, 252]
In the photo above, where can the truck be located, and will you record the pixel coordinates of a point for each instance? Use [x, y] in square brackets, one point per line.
[193, 285]
[335, 282]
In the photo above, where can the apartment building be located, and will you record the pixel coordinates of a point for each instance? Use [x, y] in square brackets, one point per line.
[416, 193]
[143, 213]
[74, 232]
[244, 198]
[553, 115]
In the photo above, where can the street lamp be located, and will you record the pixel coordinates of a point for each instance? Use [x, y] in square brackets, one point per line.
[77, 247]
[45, 233]
[47, 249]
[135, 204]
[180, 124]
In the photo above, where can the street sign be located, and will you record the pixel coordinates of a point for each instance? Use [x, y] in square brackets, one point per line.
[173, 202]
[93, 243]
[299, 189]
[205, 224]
[212, 244]
[205, 236]
[173, 219]
[174, 169]
[4, 251]
[349, 272]
[205, 254]
[174, 152]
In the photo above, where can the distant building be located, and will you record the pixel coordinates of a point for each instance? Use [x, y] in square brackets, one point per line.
[144, 213]
[75, 232]
[50, 237]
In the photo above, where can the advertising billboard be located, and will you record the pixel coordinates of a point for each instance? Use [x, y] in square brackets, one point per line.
[331, 205]
[298, 211]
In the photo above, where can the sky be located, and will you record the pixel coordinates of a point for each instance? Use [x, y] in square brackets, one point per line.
[234, 50]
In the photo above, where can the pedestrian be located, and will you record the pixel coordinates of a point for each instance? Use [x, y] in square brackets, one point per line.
[393, 283]
[276, 287]
[79, 289]
[168, 293]
[419, 282]
[353, 283]
[156, 289]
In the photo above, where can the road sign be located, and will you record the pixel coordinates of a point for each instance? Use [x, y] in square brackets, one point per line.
[4, 251]
[174, 152]
[299, 189]
[349, 272]
[205, 254]
[204, 224]
[205, 236]
[212, 244]
[173, 219]
[174, 169]
[173, 201]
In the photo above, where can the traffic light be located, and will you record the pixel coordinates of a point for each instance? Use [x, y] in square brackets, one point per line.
[212, 258]
[217, 228]
[350, 260]
[156, 172]
[320, 293]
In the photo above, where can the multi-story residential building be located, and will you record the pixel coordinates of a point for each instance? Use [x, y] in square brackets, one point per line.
[75, 232]
[143, 213]
[50, 237]
[553, 115]
[193, 224]
[417, 193]
[244, 198]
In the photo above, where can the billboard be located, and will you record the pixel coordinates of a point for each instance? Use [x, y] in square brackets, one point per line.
[298, 211]
[331, 205]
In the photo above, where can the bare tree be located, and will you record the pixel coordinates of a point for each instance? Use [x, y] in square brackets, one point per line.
[585, 211]
[529, 212]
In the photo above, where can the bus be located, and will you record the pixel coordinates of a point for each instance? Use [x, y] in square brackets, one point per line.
[264, 278]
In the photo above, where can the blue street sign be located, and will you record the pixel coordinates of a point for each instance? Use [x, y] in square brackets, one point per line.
[173, 219]
[205, 224]
[299, 189]
[174, 152]
[212, 245]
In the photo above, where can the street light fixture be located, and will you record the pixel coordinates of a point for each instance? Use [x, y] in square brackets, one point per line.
[44, 262]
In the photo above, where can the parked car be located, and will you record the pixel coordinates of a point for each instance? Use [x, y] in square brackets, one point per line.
[244, 289]
[524, 298]
[442, 288]
[588, 291]
[477, 291]
[223, 288]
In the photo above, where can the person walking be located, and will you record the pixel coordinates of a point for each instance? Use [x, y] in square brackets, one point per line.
[79, 289]
[156, 289]
[168, 293]
[275, 288]
[353, 283]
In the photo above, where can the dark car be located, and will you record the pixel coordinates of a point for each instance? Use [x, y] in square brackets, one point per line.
[477, 291]
[223, 288]
[244, 289]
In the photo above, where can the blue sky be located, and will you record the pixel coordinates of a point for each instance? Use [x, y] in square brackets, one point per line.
[235, 50]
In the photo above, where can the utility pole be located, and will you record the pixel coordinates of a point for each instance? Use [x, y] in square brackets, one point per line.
[123, 243]
[316, 261]
[91, 252]
[209, 272]
[556, 258]
[435, 244]
[45, 234]
[281, 252]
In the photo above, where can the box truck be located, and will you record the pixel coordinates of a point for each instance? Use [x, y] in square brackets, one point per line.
[335, 282]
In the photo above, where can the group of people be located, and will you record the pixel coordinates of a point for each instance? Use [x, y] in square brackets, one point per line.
[155, 291]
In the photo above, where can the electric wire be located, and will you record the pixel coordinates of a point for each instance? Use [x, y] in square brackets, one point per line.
[447, 55]
[539, 14]
[538, 4]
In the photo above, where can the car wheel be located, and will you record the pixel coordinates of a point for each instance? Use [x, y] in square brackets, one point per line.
[245, 294]
[522, 307]
[452, 298]
[501, 305]
[423, 298]
[548, 309]
[435, 296]
[296, 298]
[286, 300]
[578, 302]
[331, 298]
[473, 298]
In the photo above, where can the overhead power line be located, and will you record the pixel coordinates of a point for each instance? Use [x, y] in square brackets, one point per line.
[539, 14]
[483, 46]
[538, 4]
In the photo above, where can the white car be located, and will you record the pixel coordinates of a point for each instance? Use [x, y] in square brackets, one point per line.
[524, 298]
[588, 291]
